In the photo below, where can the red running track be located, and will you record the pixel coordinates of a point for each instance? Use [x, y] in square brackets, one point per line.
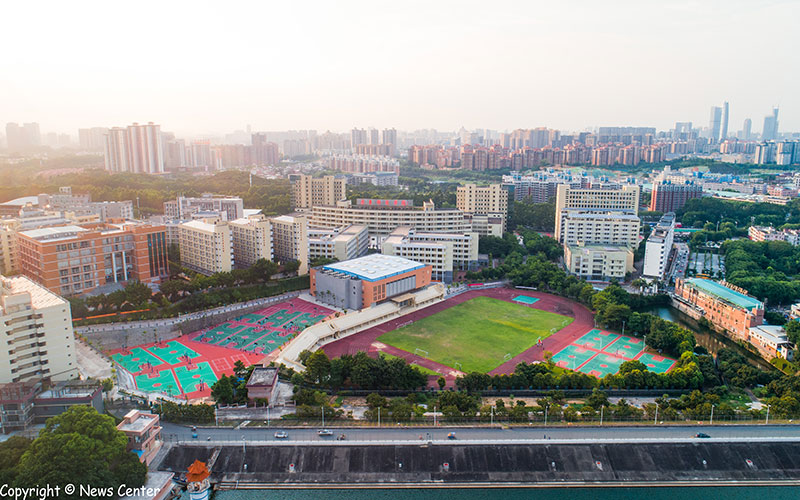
[367, 340]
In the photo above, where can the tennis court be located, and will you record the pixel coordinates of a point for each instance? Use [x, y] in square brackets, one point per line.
[164, 381]
[656, 363]
[196, 379]
[573, 356]
[602, 365]
[174, 352]
[524, 299]
[136, 360]
[596, 339]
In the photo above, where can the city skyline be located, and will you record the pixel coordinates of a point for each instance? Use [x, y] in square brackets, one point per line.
[411, 67]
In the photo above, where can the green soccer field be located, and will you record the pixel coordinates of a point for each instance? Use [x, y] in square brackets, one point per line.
[478, 333]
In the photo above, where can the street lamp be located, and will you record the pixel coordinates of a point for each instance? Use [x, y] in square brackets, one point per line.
[655, 419]
[711, 422]
[767, 421]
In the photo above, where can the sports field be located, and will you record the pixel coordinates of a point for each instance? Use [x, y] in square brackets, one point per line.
[477, 335]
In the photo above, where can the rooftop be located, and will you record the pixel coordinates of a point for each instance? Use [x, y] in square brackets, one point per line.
[33, 200]
[136, 421]
[199, 224]
[262, 376]
[771, 333]
[40, 296]
[53, 233]
[374, 267]
[724, 293]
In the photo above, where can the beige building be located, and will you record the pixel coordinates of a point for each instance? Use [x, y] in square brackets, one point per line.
[251, 240]
[613, 228]
[444, 252]
[206, 246]
[598, 262]
[37, 328]
[487, 224]
[382, 219]
[342, 244]
[290, 240]
[611, 199]
[491, 199]
[9, 253]
[308, 191]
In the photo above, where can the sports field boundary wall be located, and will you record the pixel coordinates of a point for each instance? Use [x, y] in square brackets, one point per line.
[111, 336]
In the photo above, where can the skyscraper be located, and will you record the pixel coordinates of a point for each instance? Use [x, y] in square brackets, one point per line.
[358, 136]
[746, 129]
[21, 138]
[137, 149]
[714, 123]
[724, 134]
[770, 132]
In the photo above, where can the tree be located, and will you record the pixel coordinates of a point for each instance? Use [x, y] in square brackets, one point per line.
[222, 390]
[318, 368]
[80, 444]
[441, 383]
[11, 452]
[597, 399]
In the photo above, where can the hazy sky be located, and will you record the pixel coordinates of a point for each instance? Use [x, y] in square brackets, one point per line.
[211, 67]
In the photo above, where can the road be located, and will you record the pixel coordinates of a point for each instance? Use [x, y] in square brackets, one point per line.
[173, 432]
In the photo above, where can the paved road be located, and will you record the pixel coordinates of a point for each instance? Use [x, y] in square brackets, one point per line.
[174, 432]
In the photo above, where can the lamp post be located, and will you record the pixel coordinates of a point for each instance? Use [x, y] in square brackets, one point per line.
[711, 421]
[655, 419]
[545, 414]
[767, 421]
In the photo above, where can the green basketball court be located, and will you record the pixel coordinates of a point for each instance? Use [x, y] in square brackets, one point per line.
[222, 331]
[602, 365]
[251, 318]
[280, 317]
[173, 352]
[596, 339]
[656, 363]
[242, 338]
[164, 382]
[190, 379]
[136, 359]
[625, 347]
[572, 356]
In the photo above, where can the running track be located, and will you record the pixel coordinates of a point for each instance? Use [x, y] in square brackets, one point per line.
[367, 340]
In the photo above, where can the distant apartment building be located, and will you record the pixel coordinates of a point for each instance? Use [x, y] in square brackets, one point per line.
[381, 217]
[82, 204]
[764, 233]
[539, 187]
[290, 240]
[251, 240]
[308, 191]
[37, 328]
[341, 244]
[669, 197]
[23, 137]
[598, 262]
[659, 247]
[205, 246]
[227, 207]
[136, 149]
[725, 306]
[446, 253]
[76, 259]
[374, 178]
[362, 163]
[482, 199]
[263, 151]
[92, 139]
[434, 155]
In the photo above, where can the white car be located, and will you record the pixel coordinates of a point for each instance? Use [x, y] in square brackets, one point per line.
[325, 432]
[281, 435]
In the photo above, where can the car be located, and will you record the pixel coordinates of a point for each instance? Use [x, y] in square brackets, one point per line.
[702, 435]
[281, 435]
[325, 432]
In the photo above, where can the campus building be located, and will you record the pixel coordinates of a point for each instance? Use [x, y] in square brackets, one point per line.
[381, 217]
[669, 197]
[24, 404]
[251, 240]
[225, 207]
[727, 307]
[374, 178]
[290, 240]
[308, 191]
[772, 342]
[37, 328]
[363, 282]
[76, 259]
[206, 246]
[343, 243]
[614, 199]
[143, 431]
[82, 204]
[444, 252]
[659, 247]
[598, 262]
[768, 233]
[482, 200]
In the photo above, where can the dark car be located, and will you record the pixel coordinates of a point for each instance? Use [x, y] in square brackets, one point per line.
[702, 435]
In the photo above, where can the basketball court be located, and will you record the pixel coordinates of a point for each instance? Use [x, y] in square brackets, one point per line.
[524, 299]
[174, 352]
[136, 359]
[160, 381]
[196, 377]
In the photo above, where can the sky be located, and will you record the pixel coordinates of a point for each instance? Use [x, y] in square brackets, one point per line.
[211, 67]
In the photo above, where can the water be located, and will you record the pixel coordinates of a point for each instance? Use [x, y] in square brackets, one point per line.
[710, 340]
[654, 493]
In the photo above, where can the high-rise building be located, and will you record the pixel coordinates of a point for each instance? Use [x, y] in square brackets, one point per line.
[226, 207]
[290, 240]
[482, 200]
[446, 253]
[37, 327]
[251, 240]
[389, 137]
[770, 131]
[747, 129]
[659, 247]
[264, 152]
[358, 136]
[92, 139]
[76, 259]
[308, 191]
[23, 138]
[724, 131]
[344, 243]
[373, 136]
[206, 246]
[714, 123]
[668, 196]
[136, 149]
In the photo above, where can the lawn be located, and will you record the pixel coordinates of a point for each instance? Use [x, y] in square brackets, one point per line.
[478, 333]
